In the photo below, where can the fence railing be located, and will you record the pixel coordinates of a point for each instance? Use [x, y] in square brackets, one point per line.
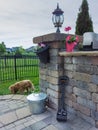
[17, 67]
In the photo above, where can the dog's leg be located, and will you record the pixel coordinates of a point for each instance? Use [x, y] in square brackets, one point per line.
[27, 89]
[13, 91]
[21, 91]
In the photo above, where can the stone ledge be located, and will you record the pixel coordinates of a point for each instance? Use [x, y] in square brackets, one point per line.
[79, 53]
[50, 37]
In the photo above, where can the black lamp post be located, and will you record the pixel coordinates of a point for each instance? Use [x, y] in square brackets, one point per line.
[58, 18]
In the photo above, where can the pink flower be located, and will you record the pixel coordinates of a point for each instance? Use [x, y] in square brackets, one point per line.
[75, 43]
[67, 28]
[72, 39]
[77, 38]
[68, 38]
[41, 45]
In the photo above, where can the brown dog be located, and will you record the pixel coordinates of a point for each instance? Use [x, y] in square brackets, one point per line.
[21, 87]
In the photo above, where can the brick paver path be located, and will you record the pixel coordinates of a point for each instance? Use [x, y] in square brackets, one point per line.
[15, 115]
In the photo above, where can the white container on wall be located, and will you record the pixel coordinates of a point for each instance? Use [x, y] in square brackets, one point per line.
[90, 38]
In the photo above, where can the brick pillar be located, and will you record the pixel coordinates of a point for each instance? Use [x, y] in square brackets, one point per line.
[50, 72]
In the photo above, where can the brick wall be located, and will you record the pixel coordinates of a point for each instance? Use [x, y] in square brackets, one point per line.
[81, 94]
[50, 72]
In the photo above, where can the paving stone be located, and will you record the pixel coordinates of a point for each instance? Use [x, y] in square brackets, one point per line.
[53, 119]
[29, 118]
[29, 123]
[8, 118]
[27, 128]
[10, 126]
[24, 99]
[7, 97]
[86, 118]
[13, 106]
[23, 112]
[63, 126]
[93, 128]
[19, 118]
[86, 127]
[1, 97]
[20, 121]
[1, 125]
[48, 120]
[50, 127]
[41, 116]
[17, 97]
[3, 128]
[38, 125]
[20, 127]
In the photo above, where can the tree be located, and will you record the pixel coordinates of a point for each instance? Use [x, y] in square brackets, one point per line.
[2, 48]
[84, 22]
[19, 51]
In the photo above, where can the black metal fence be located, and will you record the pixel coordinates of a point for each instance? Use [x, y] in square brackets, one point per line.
[17, 67]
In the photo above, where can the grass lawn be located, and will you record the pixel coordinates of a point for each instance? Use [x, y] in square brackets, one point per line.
[5, 85]
[11, 68]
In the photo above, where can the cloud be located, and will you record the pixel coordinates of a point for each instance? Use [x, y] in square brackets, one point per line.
[21, 20]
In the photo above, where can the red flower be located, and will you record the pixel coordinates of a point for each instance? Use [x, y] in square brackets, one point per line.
[67, 28]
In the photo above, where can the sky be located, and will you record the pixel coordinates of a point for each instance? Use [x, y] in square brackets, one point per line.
[22, 20]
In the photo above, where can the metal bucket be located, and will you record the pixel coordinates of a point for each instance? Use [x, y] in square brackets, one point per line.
[37, 102]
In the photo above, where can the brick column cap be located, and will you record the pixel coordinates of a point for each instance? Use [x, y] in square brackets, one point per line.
[50, 37]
